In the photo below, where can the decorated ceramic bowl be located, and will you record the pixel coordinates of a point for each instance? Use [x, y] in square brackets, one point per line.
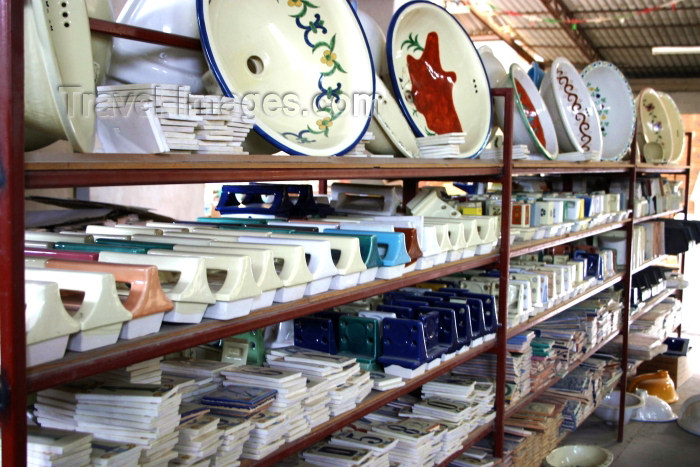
[572, 108]
[59, 75]
[392, 133]
[677, 128]
[654, 134]
[614, 101]
[305, 66]
[579, 456]
[437, 75]
[141, 62]
[532, 122]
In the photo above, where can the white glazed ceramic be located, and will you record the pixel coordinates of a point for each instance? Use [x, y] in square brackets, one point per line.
[306, 67]
[573, 110]
[614, 101]
[689, 417]
[392, 133]
[609, 409]
[437, 75]
[579, 456]
[141, 62]
[377, 43]
[532, 120]
[101, 43]
[654, 409]
[677, 128]
[59, 75]
[495, 70]
[654, 135]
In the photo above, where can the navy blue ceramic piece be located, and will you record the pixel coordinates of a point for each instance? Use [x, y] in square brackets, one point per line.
[316, 334]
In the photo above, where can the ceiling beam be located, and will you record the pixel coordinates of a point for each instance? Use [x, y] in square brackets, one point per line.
[610, 26]
[610, 11]
[558, 10]
[507, 38]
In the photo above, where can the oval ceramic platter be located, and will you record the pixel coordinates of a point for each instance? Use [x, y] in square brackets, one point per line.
[534, 126]
[677, 127]
[654, 136]
[572, 108]
[437, 75]
[304, 66]
[140, 62]
[392, 133]
[615, 104]
[59, 75]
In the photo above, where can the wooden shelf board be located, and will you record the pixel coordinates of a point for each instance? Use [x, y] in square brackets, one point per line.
[521, 168]
[662, 169]
[373, 402]
[652, 217]
[538, 392]
[63, 170]
[520, 249]
[174, 338]
[532, 322]
[650, 263]
[476, 436]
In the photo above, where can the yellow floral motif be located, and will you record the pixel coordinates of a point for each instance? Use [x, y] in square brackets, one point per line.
[328, 58]
[296, 3]
[325, 123]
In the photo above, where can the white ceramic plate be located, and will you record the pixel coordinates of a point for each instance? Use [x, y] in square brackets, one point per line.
[677, 128]
[572, 108]
[59, 75]
[305, 66]
[141, 62]
[615, 104]
[392, 133]
[437, 75]
[654, 136]
[532, 124]
[377, 43]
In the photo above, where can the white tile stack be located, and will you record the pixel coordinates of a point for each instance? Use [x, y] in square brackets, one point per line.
[50, 447]
[109, 454]
[441, 146]
[235, 432]
[198, 441]
[147, 372]
[360, 149]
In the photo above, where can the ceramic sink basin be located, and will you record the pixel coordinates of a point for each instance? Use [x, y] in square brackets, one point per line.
[304, 66]
[654, 135]
[437, 75]
[59, 75]
[532, 124]
[677, 128]
[392, 133]
[615, 104]
[141, 62]
[572, 108]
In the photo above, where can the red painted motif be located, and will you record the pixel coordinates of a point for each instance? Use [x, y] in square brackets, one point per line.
[432, 89]
[531, 113]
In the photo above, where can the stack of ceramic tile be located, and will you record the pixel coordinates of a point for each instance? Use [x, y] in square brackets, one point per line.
[660, 321]
[224, 124]
[520, 151]
[364, 384]
[206, 374]
[538, 425]
[325, 454]
[55, 408]
[109, 454]
[235, 432]
[474, 457]
[148, 372]
[416, 441]
[360, 149]
[316, 404]
[384, 382]
[267, 435]
[377, 444]
[239, 401]
[198, 440]
[455, 387]
[568, 345]
[440, 146]
[483, 368]
[51, 447]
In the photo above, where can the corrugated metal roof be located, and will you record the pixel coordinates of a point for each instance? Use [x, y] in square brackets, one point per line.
[620, 31]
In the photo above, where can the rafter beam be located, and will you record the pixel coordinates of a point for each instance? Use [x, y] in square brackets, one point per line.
[610, 11]
[491, 25]
[609, 26]
[558, 10]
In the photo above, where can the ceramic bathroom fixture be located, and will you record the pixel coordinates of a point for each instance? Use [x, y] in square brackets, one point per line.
[184, 281]
[689, 417]
[262, 264]
[572, 109]
[655, 138]
[677, 128]
[376, 40]
[56, 237]
[580, 456]
[437, 75]
[231, 281]
[433, 251]
[294, 273]
[532, 119]
[483, 233]
[392, 133]
[498, 77]
[47, 322]
[320, 259]
[432, 201]
[144, 297]
[450, 237]
[121, 230]
[305, 66]
[394, 257]
[614, 101]
[100, 313]
[609, 409]
[136, 62]
[654, 410]
[371, 200]
[59, 90]
[657, 384]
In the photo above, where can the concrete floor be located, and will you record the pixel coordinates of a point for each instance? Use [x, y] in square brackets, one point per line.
[649, 444]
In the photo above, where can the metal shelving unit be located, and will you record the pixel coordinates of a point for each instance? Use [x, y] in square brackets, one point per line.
[19, 171]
